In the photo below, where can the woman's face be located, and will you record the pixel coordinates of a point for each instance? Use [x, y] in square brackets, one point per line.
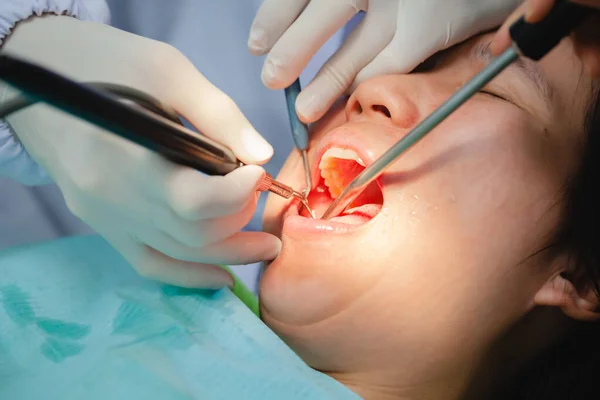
[444, 266]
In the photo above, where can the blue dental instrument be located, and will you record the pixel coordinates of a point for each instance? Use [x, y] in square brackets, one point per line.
[299, 132]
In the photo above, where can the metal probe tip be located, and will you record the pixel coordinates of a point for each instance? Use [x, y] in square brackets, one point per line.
[273, 186]
[310, 210]
[308, 187]
[306, 173]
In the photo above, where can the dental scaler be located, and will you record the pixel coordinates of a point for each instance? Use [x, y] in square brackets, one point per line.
[530, 40]
[299, 133]
[146, 123]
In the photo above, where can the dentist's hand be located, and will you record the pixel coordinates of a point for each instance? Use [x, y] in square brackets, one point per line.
[586, 37]
[171, 223]
[394, 37]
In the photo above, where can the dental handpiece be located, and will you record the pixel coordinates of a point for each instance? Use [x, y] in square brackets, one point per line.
[150, 125]
[530, 40]
[299, 130]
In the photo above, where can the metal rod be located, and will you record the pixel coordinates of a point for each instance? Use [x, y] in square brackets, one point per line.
[373, 171]
[282, 190]
[299, 134]
[307, 176]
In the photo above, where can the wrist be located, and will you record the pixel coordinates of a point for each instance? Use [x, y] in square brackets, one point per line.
[15, 161]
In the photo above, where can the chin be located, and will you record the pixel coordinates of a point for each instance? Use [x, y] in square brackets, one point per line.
[323, 266]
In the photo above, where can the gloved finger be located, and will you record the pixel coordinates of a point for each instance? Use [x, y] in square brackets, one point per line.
[153, 264]
[292, 52]
[237, 249]
[536, 10]
[502, 40]
[370, 37]
[133, 209]
[194, 196]
[244, 248]
[214, 113]
[392, 61]
[202, 233]
[271, 21]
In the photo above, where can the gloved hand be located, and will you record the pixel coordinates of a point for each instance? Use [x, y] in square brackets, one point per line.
[171, 223]
[586, 38]
[394, 37]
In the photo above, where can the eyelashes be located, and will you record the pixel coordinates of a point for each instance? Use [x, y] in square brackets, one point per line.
[501, 98]
[492, 94]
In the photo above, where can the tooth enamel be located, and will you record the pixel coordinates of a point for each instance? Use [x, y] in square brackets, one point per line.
[329, 167]
[336, 152]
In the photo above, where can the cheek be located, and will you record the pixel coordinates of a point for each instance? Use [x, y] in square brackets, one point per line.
[481, 189]
[503, 175]
[313, 280]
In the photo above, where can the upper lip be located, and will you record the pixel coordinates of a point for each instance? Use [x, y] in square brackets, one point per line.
[367, 140]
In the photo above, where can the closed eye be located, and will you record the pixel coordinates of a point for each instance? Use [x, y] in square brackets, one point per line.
[501, 98]
[493, 95]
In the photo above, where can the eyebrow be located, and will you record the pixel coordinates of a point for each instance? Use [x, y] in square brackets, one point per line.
[527, 68]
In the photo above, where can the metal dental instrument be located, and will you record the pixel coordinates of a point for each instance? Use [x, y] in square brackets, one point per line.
[147, 122]
[299, 133]
[530, 40]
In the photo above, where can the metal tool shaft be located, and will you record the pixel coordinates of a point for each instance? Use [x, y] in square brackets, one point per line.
[299, 131]
[307, 176]
[270, 184]
[273, 186]
[374, 170]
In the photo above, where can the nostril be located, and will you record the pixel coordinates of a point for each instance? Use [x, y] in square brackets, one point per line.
[356, 108]
[382, 110]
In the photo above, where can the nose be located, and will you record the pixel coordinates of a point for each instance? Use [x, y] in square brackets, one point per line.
[384, 100]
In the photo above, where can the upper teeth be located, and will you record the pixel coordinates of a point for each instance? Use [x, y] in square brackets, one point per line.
[330, 171]
[336, 152]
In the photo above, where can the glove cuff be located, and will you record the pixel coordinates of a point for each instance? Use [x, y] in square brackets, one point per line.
[14, 11]
[15, 162]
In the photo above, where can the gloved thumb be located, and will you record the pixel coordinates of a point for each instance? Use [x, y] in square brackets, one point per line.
[370, 36]
[216, 115]
[396, 58]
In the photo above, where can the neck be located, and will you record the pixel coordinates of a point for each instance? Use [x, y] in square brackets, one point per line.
[474, 378]
[376, 386]
[515, 350]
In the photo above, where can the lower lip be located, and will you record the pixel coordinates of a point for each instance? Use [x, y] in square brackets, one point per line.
[295, 223]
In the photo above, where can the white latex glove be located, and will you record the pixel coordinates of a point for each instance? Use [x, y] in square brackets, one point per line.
[394, 37]
[171, 223]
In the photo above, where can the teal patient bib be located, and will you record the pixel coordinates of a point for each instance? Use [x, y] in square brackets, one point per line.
[77, 323]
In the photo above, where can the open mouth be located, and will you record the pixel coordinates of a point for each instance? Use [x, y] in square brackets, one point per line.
[337, 168]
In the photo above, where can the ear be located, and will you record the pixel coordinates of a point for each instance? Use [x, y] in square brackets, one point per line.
[560, 292]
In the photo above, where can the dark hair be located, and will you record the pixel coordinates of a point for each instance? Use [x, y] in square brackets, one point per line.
[569, 370]
[578, 233]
